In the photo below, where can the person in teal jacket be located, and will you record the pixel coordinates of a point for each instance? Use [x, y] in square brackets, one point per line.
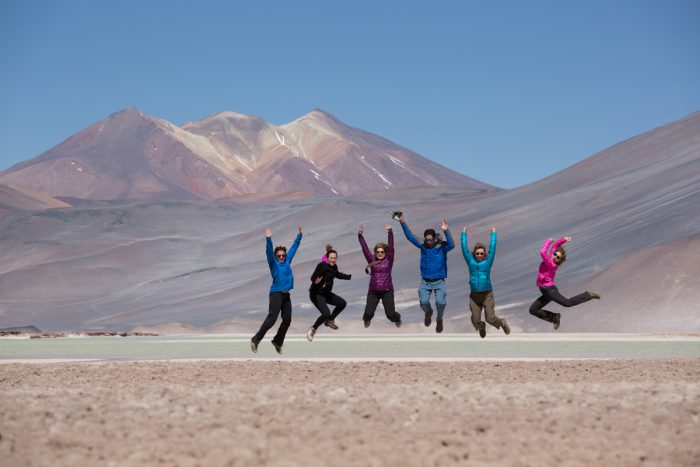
[433, 269]
[280, 263]
[481, 296]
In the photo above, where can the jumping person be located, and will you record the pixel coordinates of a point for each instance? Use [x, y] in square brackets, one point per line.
[380, 284]
[551, 260]
[280, 263]
[479, 263]
[433, 269]
[321, 292]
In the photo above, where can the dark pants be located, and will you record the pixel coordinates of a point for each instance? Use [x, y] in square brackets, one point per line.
[551, 294]
[387, 299]
[279, 302]
[321, 301]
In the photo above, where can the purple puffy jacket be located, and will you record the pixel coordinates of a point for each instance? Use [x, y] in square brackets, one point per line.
[380, 280]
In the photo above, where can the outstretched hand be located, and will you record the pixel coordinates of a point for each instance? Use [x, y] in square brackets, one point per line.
[568, 239]
[361, 230]
[493, 229]
[299, 227]
[387, 228]
[268, 232]
[402, 219]
[443, 226]
[464, 229]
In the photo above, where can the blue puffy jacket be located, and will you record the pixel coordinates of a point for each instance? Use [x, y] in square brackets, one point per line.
[479, 271]
[433, 261]
[282, 277]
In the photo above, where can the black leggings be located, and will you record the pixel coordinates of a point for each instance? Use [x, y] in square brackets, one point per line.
[280, 303]
[551, 294]
[321, 301]
[387, 299]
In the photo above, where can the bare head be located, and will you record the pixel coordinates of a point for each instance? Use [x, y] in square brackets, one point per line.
[559, 256]
[331, 254]
[380, 251]
[430, 238]
[479, 252]
[281, 253]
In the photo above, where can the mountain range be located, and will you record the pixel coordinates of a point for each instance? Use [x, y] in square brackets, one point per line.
[189, 263]
[131, 156]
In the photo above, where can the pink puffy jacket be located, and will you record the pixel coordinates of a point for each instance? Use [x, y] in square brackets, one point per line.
[548, 268]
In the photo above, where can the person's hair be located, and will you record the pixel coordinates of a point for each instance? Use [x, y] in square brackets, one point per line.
[563, 254]
[280, 248]
[380, 245]
[478, 246]
[430, 232]
[329, 250]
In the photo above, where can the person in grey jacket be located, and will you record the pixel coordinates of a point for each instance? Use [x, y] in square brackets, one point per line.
[479, 263]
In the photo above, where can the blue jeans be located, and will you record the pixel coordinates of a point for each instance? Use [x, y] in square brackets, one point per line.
[424, 291]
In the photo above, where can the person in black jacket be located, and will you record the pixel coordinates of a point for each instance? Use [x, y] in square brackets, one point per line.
[321, 292]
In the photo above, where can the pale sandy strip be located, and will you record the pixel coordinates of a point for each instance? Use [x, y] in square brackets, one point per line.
[323, 359]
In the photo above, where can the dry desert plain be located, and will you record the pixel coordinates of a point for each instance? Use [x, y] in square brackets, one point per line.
[357, 413]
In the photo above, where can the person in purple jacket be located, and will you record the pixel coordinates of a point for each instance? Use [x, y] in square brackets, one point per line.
[554, 256]
[380, 284]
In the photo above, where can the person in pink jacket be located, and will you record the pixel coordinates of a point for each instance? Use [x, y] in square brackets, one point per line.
[554, 256]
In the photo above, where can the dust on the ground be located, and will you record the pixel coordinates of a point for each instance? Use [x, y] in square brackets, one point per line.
[281, 413]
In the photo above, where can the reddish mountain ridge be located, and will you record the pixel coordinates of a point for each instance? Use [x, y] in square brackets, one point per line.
[132, 156]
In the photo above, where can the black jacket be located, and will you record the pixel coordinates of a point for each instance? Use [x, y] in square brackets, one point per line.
[329, 273]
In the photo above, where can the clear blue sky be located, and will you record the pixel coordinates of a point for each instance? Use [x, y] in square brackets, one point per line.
[503, 91]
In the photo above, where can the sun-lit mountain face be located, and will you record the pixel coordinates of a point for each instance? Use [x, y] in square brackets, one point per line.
[131, 156]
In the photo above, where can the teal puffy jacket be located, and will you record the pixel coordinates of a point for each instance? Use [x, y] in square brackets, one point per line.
[479, 271]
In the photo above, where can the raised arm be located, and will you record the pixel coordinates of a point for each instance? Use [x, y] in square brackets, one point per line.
[363, 244]
[295, 246]
[465, 248]
[492, 247]
[409, 235]
[268, 248]
[450, 243]
[390, 243]
[544, 251]
[559, 243]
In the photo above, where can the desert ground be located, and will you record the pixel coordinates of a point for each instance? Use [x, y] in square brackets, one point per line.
[287, 413]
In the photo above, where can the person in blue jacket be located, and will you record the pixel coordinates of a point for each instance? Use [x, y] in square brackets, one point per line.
[433, 269]
[481, 296]
[280, 263]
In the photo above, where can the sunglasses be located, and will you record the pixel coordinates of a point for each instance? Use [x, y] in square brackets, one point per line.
[429, 239]
[281, 256]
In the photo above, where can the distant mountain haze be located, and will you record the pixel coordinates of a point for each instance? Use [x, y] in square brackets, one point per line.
[131, 156]
[196, 265]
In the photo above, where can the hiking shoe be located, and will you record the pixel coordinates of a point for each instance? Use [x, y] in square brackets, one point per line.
[367, 323]
[438, 325]
[331, 324]
[310, 335]
[428, 318]
[482, 329]
[594, 295]
[253, 346]
[556, 320]
[397, 323]
[504, 326]
[277, 347]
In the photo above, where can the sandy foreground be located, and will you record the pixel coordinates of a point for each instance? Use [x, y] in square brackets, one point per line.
[564, 412]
